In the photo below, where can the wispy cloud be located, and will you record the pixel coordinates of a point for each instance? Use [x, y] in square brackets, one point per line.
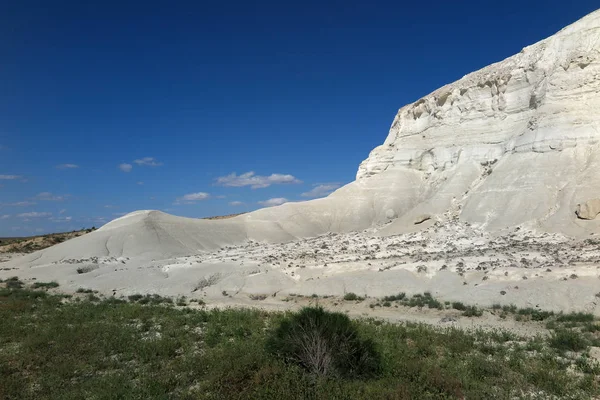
[47, 196]
[61, 212]
[191, 198]
[125, 167]
[67, 166]
[34, 214]
[148, 161]
[20, 204]
[10, 177]
[5, 216]
[277, 201]
[321, 190]
[256, 181]
[140, 183]
[61, 219]
[236, 203]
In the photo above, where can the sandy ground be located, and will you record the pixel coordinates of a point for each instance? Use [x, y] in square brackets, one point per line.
[454, 262]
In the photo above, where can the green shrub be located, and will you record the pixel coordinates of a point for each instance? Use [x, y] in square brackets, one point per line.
[575, 317]
[565, 339]
[324, 343]
[399, 296]
[472, 311]
[14, 283]
[135, 297]
[536, 315]
[457, 305]
[350, 296]
[47, 285]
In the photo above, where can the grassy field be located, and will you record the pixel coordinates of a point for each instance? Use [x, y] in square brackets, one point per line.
[55, 346]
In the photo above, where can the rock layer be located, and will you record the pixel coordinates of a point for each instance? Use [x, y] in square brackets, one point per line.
[515, 142]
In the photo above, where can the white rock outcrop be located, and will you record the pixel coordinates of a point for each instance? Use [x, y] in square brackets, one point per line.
[515, 142]
[588, 210]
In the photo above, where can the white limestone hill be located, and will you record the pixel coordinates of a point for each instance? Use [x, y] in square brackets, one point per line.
[513, 145]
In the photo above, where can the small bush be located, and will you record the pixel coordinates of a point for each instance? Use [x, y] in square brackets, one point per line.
[565, 339]
[46, 285]
[324, 343]
[536, 315]
[472, 311]
[353, 297]
[350, 296]
[575, 317]
[457, 305]
[135, 297]
[258, 297]
[14, 283]
[399, 296]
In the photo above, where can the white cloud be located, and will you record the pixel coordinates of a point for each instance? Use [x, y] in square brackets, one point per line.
[148, 161]
[125, 167]
[47, 196]
[236, 203]
[5, 216]
[140, 183]
[61, 219]
[20, 204]
[255, 181]
[67, 166]
[321, 190]
[192, 198]
[61, 212]
[10, 177]
[273, 202]
[34, 214]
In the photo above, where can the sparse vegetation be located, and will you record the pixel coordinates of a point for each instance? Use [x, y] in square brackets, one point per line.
[111, 348]
[397, 297]
[353, 297]
[258, 297]
[34, 243]
[565, 339]
[324, 343]
[472, 311]
[45, 285]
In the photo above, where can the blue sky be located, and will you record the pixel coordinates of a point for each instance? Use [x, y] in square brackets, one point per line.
[210, 108]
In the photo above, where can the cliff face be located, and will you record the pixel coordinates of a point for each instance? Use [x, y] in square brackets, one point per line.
[519, 138]
[543, 99]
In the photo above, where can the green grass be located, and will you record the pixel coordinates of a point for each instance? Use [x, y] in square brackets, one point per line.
[568, 340]
[46, 285]
[116, 349]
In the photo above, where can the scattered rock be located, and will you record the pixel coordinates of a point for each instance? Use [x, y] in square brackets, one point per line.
[588, 210]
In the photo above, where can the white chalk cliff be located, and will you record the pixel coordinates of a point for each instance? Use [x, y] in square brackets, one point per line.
[515, 143]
